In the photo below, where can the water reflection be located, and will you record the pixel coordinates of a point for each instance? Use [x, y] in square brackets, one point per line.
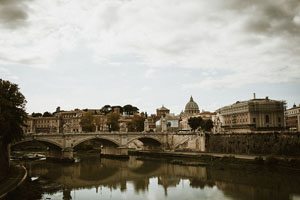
[93, 178]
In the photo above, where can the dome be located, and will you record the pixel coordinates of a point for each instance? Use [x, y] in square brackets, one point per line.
[191, 107]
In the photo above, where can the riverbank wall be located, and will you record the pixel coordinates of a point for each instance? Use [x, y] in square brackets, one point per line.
[254, 143]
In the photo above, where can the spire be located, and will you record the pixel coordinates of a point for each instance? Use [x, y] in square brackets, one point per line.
[191, 99]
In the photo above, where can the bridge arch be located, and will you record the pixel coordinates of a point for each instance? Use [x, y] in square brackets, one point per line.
[140, 138]
[95, 138]
[47, 142]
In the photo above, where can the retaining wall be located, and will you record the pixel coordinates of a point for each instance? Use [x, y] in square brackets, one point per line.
[255, 143]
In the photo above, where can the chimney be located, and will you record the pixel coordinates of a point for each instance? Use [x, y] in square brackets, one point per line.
[254, 96]
[267, 98]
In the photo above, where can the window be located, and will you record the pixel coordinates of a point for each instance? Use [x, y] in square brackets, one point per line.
[267, 119]
[254, 120]
[279, 119]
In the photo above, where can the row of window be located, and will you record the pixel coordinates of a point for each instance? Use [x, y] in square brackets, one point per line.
[292, 112]
[69, 116]
[43, 121]
[267, 119]
[236, 121]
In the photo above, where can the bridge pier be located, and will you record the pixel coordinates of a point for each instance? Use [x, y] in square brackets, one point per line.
[65, 154]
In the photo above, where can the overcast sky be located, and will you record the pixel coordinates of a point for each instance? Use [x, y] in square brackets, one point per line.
[85, 54]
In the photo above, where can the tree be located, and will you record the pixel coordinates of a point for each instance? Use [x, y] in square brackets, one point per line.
[106, 109]
[88, 122]
[136, 124]
[12, 121]
[129, 109]
[113, 121]
[12, 112]
[36, 114]
[47, 114]
[195, 122]
[207, 125]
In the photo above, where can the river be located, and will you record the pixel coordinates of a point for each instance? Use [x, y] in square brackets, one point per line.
[101, 178]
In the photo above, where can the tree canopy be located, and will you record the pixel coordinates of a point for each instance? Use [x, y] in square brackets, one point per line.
[47, 114]
[106, 109]
[207, 125]
[12, 112]
[88, 122]
[36, 114]
[129, 109]
[113, 121]
[195, 122]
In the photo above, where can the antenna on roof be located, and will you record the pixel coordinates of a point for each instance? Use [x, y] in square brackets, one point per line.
[254, 95]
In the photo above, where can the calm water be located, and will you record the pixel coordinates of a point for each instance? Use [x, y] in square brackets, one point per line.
[95, 178]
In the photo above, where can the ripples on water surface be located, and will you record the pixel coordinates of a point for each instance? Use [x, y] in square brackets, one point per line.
[94, 178]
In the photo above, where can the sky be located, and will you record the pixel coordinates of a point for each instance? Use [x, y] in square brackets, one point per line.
[149, 53]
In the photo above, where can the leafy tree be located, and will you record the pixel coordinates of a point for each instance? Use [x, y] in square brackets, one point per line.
[106, 109]
[136, 124]
[87, 122]
[195, 122]
[12, 112]
[47, 114]
[207, 125]
[36, 114]
[113, 121]
[129, 109]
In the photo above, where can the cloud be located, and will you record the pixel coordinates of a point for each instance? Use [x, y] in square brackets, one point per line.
[234, 36]
[13, 13]
[149, 73]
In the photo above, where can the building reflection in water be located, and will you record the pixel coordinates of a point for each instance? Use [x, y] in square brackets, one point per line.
[93, 172]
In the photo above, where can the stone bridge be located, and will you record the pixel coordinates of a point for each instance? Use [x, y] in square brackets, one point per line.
[62, 145]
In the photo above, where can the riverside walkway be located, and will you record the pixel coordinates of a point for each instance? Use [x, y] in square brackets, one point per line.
[17, 174]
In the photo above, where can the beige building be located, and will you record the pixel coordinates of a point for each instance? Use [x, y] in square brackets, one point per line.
[42, 125]
[161, 111]
[167, 123]
[60, 122]
[149, 124]
[292, 118]
[253, 115]
[69, 121]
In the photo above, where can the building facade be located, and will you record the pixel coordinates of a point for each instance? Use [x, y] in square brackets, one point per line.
[167, 123]
[253, 115]
[42, 125]
[292, 118]
[60, 122]
[149, 124]
[161, 111]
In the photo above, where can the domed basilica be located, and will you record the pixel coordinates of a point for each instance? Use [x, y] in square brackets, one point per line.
[191, 110]
[191, 107]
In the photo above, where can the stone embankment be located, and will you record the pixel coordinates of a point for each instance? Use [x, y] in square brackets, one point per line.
[287, 144]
